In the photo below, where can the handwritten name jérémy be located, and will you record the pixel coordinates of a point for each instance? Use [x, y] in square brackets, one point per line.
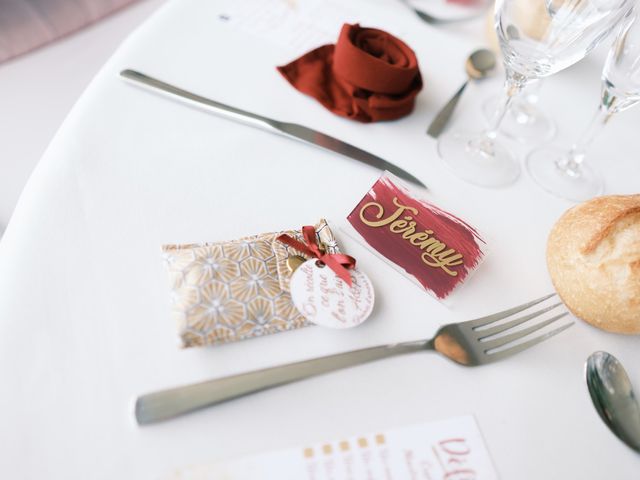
[434, 252]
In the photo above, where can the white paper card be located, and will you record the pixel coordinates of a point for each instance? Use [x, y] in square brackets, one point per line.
[325, 299]
[451, 449]
[295, 25]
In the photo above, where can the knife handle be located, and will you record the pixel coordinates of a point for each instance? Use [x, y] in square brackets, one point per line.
[289, 130]
[227, 111]
[442, 118]
[170, 403]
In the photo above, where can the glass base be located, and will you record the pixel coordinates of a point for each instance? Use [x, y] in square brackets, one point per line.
[542, 165]
[523, 122]
[477, 160]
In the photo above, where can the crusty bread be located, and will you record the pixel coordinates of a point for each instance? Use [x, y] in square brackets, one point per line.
[593, 256]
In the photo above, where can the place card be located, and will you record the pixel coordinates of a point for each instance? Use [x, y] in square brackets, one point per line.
[450, 449]
[429, 245]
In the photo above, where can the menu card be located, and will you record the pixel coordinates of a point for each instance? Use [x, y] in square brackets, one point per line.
[297, 26]
[450, 449]
[290, 24]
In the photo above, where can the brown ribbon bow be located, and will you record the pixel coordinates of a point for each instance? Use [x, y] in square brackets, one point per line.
[338, 262]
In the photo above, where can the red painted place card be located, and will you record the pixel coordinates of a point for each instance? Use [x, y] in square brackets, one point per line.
[433, 247]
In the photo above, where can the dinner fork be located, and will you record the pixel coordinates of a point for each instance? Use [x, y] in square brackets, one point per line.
[476, 342]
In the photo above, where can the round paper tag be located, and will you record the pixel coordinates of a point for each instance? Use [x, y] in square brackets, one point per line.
[325, 299]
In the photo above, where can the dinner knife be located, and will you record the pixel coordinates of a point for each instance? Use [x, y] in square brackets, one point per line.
[290, 130]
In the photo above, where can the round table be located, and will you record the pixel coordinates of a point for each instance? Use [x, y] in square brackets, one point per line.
[84, 316]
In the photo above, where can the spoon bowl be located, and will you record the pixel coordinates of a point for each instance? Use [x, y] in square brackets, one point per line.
[613, 397]
[480, 64]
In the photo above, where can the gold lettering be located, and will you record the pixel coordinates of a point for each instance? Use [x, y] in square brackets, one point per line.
[380, 213]
[398, 226]
[435, 248]
[434, 252]
[416, 238]
[410, 230]
[443, 262]
[427, 242]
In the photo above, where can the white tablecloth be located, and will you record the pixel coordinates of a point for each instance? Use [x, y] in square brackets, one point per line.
[84, 324]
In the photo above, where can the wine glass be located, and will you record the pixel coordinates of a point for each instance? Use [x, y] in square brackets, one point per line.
[564, 173]
[524, 121]
[569, 30]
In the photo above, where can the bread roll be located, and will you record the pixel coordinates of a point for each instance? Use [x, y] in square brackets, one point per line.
[593, 256]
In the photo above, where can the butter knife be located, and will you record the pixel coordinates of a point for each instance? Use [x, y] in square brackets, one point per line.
[290, 130]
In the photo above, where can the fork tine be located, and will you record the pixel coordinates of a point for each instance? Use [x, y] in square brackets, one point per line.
[504, 340]
[492, 357]
[479, 322]
[503, 327]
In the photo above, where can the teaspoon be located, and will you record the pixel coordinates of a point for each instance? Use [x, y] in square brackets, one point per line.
[479, 65]
[613, 397]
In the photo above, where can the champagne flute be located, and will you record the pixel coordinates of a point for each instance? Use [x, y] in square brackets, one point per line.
[564, 173]
[566, 33]
[524, 121]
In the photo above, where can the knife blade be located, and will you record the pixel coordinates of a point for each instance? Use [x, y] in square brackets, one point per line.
[290, 130]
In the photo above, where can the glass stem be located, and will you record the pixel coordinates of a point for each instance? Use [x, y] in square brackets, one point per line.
[532, 95]
[571, 163]
[512, 86]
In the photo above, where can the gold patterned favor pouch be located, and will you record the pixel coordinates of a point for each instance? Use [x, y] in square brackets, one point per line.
[228, 291]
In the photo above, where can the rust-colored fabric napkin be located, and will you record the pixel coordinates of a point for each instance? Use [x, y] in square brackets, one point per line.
[368, 75]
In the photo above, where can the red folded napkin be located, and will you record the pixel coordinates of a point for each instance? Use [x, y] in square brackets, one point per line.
[368, 75]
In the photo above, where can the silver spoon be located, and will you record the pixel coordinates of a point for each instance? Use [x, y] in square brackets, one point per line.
[479, 65]
[613, 397]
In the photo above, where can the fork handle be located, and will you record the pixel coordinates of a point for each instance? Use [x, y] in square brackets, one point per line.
[165, 404]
